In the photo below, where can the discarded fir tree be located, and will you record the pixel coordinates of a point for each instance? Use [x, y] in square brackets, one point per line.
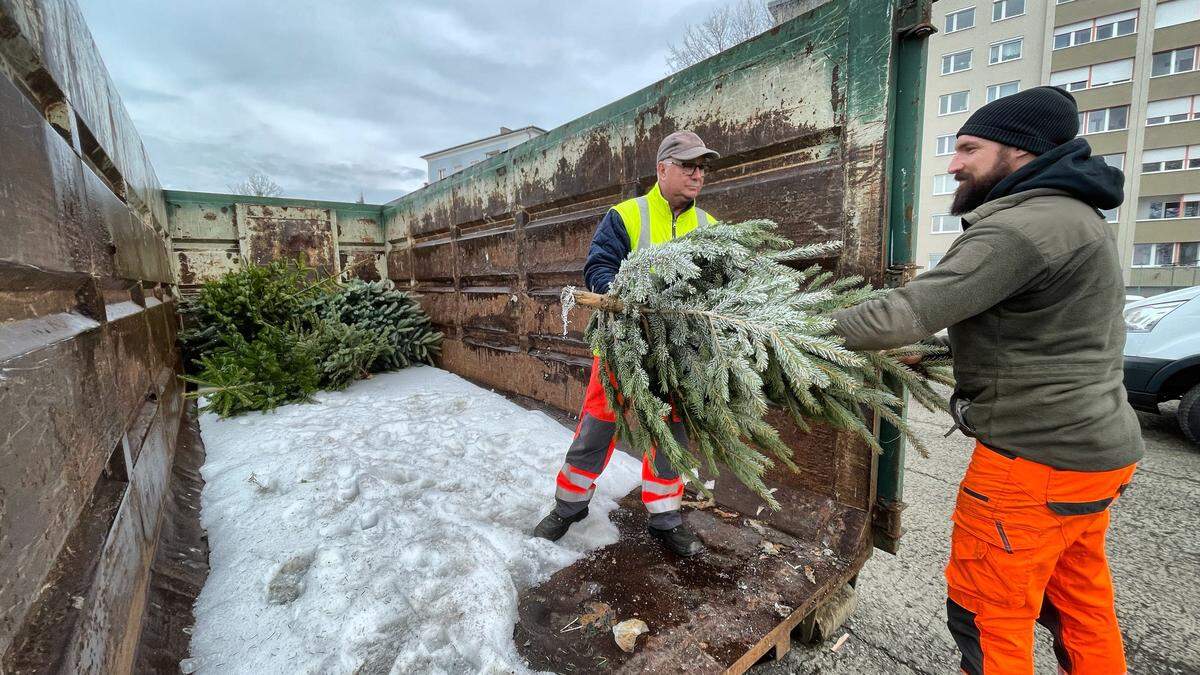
[716, 323]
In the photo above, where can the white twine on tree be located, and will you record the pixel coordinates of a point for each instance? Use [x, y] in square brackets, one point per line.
[567, 298]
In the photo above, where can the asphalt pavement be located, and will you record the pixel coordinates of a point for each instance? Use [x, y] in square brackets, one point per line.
[1153, 546]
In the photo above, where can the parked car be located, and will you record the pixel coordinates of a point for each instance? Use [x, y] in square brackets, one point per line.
[1130, 299]
[1162, 355]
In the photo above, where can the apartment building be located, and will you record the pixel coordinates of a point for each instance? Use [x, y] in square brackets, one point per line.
[1134, 68]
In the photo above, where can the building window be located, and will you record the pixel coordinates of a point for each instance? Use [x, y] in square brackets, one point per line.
[1176, 12]
[945, 145]
[1007, 9]
[1002, 52]
[960, 20]
[1166, 208]
[1062, 2]
[1105, 119]
[934, 259]
[1071, 80]
[1171, 159]
[944, 223]
[441, 174]
[996, 91]
[1115, 160]
[1173, 62]
[956, 62]
[944, 184]
[1173, 110]
[949, 104]
[1184, 253]
[1111, 215]
[1090, 77]
[1189, 253]
[1153, 255]
[1103, 28]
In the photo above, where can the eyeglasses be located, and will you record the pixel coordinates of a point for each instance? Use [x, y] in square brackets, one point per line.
[689, 168]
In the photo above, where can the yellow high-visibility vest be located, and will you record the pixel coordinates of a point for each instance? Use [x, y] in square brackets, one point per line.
[649, 220]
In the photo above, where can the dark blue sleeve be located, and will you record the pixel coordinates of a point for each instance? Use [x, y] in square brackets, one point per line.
[609, 247]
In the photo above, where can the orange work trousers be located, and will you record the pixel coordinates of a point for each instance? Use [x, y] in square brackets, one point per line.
[1028, 545]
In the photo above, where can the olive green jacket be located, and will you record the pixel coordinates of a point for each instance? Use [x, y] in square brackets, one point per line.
[1032, 294]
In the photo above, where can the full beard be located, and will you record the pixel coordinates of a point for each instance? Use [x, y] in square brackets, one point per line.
[973, 192]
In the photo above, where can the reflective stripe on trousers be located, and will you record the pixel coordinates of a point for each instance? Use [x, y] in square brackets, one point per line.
[591, 450]
[1028, 545]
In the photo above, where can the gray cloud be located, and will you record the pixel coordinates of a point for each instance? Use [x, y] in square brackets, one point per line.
[330, 98]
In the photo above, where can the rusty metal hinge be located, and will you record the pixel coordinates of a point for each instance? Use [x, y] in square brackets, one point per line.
[900, 274]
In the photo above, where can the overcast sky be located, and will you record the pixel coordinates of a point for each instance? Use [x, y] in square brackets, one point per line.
[333, 97]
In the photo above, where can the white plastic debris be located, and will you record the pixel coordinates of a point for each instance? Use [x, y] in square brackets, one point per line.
[626, 633]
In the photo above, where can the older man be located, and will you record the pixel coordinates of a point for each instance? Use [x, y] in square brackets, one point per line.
[1032, 294]
[667, 211]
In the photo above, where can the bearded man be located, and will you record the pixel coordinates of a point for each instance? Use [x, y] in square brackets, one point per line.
[1032, 294]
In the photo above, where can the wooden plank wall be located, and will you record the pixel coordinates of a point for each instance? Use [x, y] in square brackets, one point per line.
[89, 398]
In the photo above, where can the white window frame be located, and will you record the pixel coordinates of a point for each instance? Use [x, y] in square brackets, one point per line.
[1083, 127]
[1154, 247]
[934, 259]
[955, 15]
[1024, 8]
[1179, 254]
[938, 152]
[1092, 74]
[937, 226]
[949, 98]
[1193, 5]
[996, 87]
[944, 178]
[1160, 166]
[999, 49]
[1074, 74]
[1193, 112]
[1195, 61]
[1181, 200]
[948, 59]
[1096, 23]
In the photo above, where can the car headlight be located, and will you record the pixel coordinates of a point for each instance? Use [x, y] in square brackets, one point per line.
[1143, 319]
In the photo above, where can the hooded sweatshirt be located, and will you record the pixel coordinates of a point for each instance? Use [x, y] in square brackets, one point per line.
[1032, 295]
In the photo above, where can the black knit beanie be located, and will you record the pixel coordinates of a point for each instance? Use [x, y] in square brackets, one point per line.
[1037, 120]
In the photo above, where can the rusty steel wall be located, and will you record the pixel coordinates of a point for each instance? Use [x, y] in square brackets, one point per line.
[212, 234]
[89, 398]
[800, 116]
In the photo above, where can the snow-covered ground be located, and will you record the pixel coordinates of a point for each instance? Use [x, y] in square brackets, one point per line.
[384, 529]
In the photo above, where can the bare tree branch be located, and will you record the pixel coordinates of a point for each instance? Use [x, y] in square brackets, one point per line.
[725, 27]
[257, 184]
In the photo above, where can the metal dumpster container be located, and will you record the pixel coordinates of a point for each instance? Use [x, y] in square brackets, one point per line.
[817, 122]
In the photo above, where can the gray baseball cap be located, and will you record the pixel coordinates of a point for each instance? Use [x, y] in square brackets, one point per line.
[684, 145]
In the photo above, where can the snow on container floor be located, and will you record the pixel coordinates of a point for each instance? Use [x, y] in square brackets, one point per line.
[383, 529]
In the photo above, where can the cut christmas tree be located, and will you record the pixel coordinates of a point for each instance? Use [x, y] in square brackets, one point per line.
[717, 326]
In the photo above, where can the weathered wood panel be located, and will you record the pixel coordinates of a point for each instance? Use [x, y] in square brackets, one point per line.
[212, 234]
[88, 392]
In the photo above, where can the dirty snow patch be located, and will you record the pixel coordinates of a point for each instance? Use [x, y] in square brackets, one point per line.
[383, 529]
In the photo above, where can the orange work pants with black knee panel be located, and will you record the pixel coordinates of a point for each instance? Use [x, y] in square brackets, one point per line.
[1028, 546]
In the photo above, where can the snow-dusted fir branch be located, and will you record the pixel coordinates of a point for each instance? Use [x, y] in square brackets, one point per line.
[715, 328]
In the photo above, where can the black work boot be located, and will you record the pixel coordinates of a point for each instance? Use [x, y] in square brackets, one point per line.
[554, 526]
[679, 540]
